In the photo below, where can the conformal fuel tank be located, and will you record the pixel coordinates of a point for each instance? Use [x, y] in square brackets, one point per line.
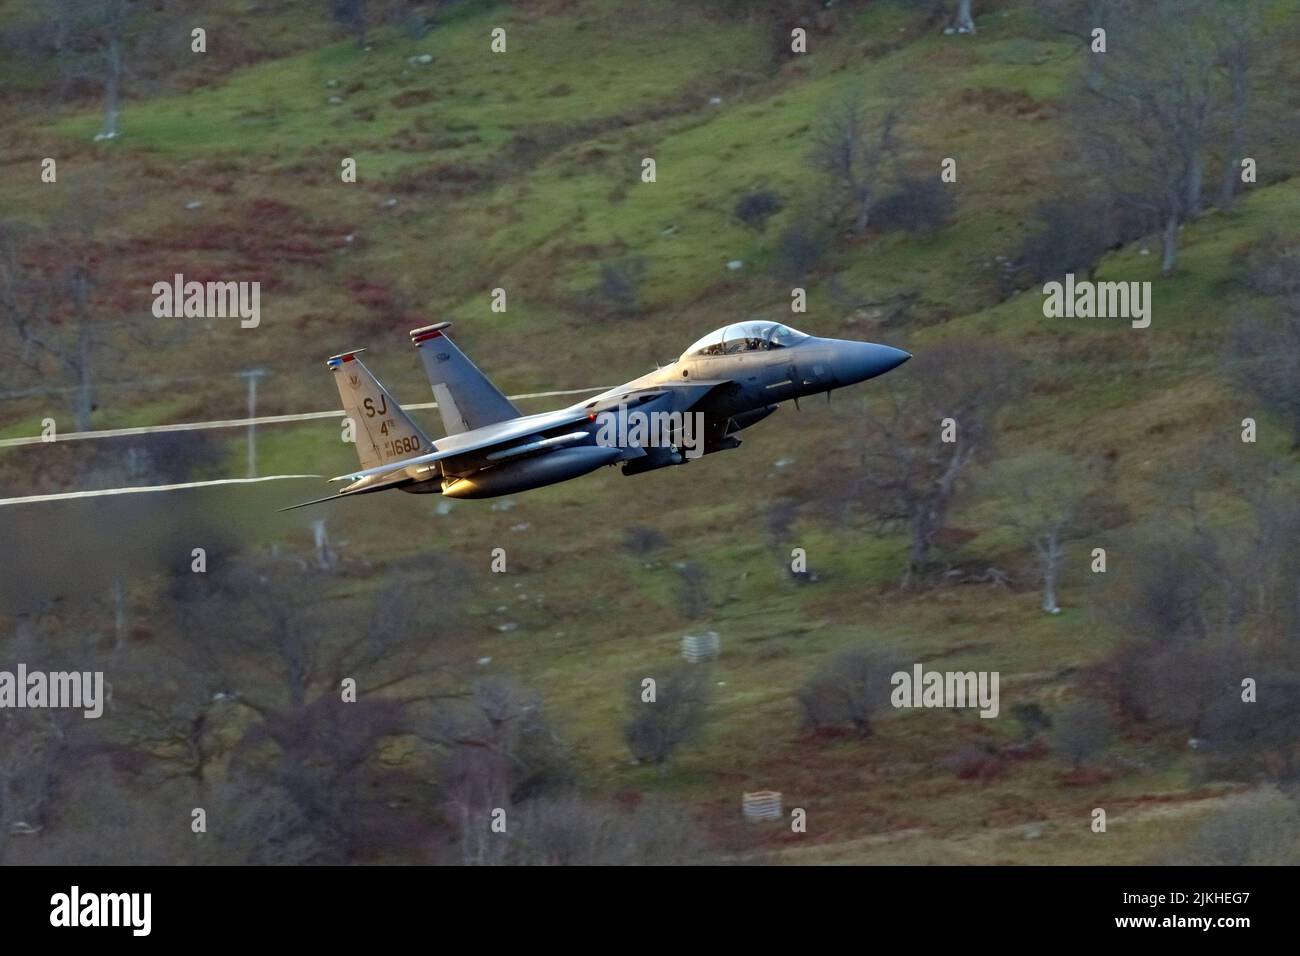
[547, 469]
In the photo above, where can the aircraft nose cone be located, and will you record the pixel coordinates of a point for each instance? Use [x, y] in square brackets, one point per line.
[890, 358]
[864, 360]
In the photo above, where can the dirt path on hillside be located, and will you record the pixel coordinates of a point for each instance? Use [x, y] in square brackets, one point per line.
[969, 847]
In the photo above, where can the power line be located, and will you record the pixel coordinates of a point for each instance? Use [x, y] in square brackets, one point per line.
[250, 422]
[67, 495]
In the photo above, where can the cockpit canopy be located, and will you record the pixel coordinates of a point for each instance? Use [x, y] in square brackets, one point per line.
[745, 337]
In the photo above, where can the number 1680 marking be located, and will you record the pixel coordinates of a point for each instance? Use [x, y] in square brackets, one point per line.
[402, 446]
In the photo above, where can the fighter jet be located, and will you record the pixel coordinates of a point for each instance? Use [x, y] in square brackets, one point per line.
[724, 383]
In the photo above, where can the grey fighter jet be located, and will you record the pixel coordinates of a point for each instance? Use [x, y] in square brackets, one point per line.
[724, 383]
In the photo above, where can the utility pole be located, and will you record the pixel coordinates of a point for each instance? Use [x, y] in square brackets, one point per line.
[252, 375]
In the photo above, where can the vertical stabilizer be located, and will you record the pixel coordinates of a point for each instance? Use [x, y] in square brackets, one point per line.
[466, 398]
[384, 432]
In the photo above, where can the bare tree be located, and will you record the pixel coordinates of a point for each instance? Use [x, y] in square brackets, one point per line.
[35, 756]
[104, 822]
[1264, 361]
[676, 715]
[100, 47]
[1071, 234]
[1259, 738]
[1153, 107]
[354, 15]
[502, 753]
[115, 14]
[567, 830]
[962, 21]
[1044, 494]
[40, 749]
[1207, 605]
[916, 454]
[1275, 568]
[47, 312]
[694, 596]
[780, 519]
[89, 42]
[258, 687]
[475, 783]
[1254, 829]
[851, 147]
[1078, 18]
[1181, 589]
[173, 719]
[956, 18]
[1237, 40]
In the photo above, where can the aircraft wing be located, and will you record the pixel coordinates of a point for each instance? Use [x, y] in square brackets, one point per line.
[692, 393]
[479, 439]
[686, 395]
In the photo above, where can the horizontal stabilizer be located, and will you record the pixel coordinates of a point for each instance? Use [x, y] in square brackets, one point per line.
[398, 480]
[479, 441]
[316, 501]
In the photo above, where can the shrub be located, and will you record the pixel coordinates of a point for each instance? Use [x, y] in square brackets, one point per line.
[675, 717]
[847, 689]
[1082, 731]
[755, 208]
[915, 206]
[800, 249]
[620, 284]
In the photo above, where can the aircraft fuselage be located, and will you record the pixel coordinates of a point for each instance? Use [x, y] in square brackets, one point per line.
[726, 382]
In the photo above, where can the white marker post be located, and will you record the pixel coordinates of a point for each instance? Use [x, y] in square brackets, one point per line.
[252, 375]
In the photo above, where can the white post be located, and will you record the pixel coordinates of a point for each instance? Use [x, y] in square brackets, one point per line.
[252, 375]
